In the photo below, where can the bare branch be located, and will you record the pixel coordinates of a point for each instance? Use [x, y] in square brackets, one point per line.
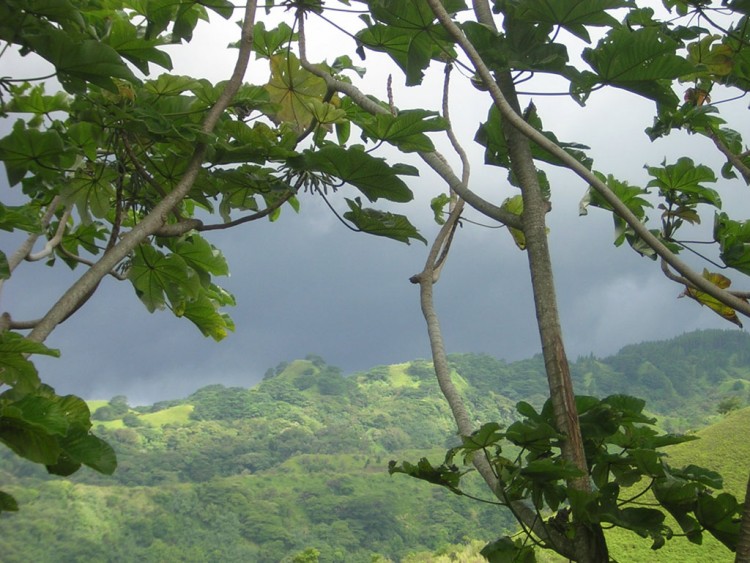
[9, 324]
[465, 166]
[54, 241]
[179, 228]
[68, 254]
[28, 245]
[255, 216]
[142, 172]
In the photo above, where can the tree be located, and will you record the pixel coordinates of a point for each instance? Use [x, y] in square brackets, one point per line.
[642, 55]
[115, 166]
[115, 183]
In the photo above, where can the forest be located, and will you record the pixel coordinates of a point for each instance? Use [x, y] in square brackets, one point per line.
[297, 465]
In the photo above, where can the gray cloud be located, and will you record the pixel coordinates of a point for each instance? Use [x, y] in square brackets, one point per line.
[305, 284]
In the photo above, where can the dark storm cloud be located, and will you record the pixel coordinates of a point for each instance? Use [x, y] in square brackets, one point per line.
[305, 284]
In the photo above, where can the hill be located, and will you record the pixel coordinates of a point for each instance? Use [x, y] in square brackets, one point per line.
[724, 448]
[298, 462]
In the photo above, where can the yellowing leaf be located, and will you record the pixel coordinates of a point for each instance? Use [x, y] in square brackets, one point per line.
[294, 90]
[711, 302]
[325, 113]
[515, 205]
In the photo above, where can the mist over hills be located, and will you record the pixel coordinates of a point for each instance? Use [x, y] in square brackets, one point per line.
[299, 461]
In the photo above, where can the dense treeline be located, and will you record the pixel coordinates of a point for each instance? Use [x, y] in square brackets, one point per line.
[261, 474]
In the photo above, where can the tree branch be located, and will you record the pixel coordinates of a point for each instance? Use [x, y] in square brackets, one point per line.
[158, 216]
[54, 241]
[736, 160]
[28, 245]
[433, 159]
[511, 117]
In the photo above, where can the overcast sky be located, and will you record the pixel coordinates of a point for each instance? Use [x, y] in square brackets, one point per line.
[305, 284]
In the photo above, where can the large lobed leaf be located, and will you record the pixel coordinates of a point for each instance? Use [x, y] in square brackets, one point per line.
[381, 223]
[643, 61]
[372, 176]
[408, 33]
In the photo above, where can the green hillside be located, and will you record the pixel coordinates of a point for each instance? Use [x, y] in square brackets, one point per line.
[723, 447]
[299, 461]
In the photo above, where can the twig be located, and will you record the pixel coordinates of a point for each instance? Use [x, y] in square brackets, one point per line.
[736, 160]
[49, 247]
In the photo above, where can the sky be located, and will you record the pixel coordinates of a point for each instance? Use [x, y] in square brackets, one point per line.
[307, 285]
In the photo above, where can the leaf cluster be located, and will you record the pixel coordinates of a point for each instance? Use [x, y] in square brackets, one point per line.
[41, 426]
[622, 453]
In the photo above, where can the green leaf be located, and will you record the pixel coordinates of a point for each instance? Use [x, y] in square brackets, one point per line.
[523, 46]
[267, 43]
[550, 470]
[370, 175]
[721, 516]
[24, 218]
[37, 102]
[408, 34]
[27, 441]
[13, 343]
[701, 475]
[224, 8]
[734, 241]
[572, 15]
[641, 61]
[92, 190]
[325, 113]
[405, 131]
[506, 550]
[27, 149]
[77, 63]
[125, 38]
[4, 266]
[203, 312]
[488, 435]
[42, 413]
[490, 135]
[443, 475]
[7, 503]
[381, 223]
[630, 196]
[537, 435]
[170, 84]
[83, 447]
[525, 409]
[437, 204]
[682, 183]
[640, 520]
[156, 277]
[85, 138]
[631, 407]
[201, 255]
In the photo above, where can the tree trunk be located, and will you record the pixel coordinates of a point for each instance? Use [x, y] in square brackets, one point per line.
[590, 544]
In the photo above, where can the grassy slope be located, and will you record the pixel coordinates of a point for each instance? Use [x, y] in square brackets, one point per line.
[179, 414]
[722, 447]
